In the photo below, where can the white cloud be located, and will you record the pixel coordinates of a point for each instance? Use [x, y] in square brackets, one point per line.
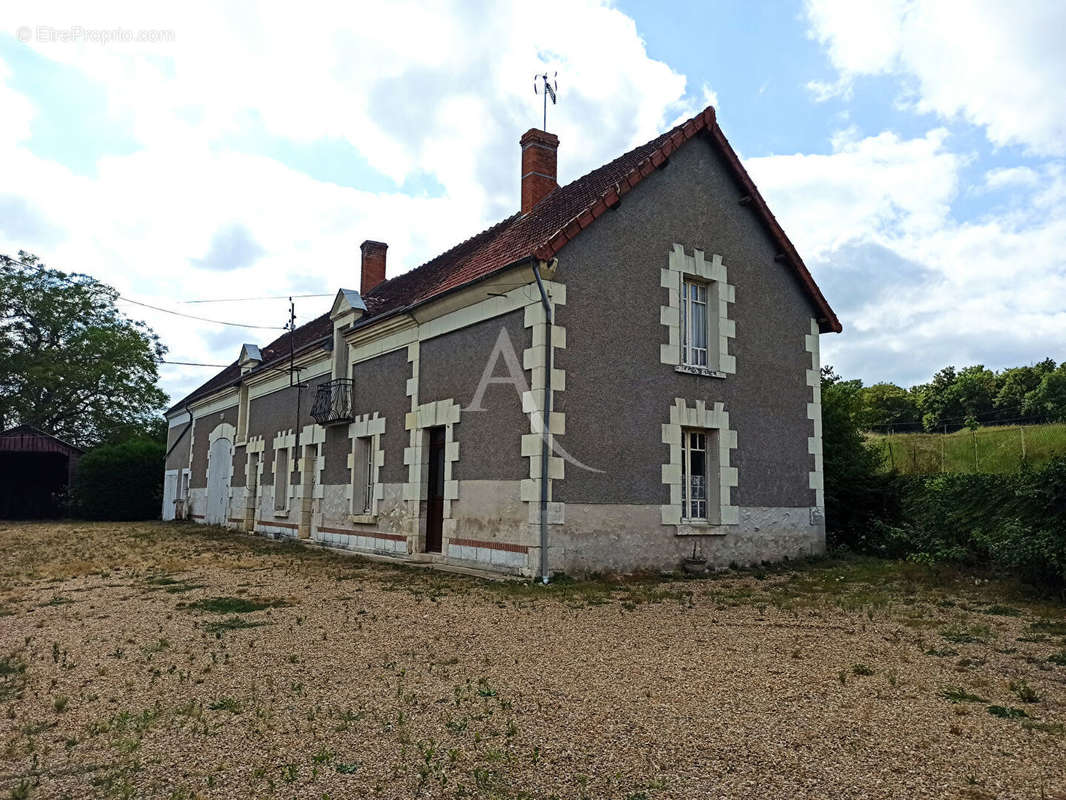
[998, 65]
[916, 288]
[442, 90]
[865, 189]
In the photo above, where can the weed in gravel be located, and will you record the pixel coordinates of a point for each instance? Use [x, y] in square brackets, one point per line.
[861, 669]
[1058, 658]
[945, 652]
[12, 677]
[1007, 712]
[1025, 692]
[967, 634]
[233, 624]
[960, 695]
[1054, 728]
[60, 703]
[1051, 626]
[346, 769]
[234, 605]
[230, 704]
[1001, 611]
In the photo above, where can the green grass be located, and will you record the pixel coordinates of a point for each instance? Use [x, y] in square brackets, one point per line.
[999, 449]
[234, 605]
[959, 695]
[232, 624]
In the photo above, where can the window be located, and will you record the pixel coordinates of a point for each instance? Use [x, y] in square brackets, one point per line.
[363, 476]
[281, 479]
[694, 475]
[694, 324]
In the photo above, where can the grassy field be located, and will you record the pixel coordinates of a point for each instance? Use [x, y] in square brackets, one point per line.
[172, 661]
[998, 449]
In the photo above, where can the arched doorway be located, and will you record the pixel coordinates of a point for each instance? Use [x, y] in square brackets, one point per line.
[219, 472]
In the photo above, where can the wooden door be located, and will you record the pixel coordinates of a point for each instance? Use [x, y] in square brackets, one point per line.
[435, 491]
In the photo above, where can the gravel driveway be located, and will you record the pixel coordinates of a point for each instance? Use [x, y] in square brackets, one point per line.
[166, 660]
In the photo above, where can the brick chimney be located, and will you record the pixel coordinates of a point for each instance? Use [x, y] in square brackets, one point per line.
[539, 150]
[373, 271]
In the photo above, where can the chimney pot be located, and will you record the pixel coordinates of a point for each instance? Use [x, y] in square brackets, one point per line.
[373, 266]
[539, 157]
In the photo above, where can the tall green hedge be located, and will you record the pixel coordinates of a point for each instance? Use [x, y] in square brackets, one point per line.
[120, 481]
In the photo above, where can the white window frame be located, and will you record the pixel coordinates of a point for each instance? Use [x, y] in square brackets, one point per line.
[684, 271]
[696, 293]
[364, 478]
[243, 406]
[690, 512]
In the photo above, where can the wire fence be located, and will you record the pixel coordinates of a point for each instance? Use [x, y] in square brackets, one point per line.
[1000, 449]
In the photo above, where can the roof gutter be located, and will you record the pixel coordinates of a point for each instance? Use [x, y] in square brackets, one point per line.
[545, 433]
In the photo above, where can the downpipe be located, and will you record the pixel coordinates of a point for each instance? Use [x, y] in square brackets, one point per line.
[545, 574]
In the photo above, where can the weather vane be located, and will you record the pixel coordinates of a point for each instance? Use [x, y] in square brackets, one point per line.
[551, 86]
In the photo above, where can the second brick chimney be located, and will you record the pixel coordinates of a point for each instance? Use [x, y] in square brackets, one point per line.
[539, 151]
[373, 271]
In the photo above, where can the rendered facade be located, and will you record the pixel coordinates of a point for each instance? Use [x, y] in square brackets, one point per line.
[625, 370]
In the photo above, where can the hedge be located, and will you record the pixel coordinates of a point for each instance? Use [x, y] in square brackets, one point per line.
[120, 481]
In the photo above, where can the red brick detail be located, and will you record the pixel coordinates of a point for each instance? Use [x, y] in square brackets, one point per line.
[373, 265]
[289, 525]
[236, 519]
[394, 537]
[510, 548]
[197, 516]
[539, 166]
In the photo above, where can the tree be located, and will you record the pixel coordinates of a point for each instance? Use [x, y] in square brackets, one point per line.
[70, 362]
[886, 404]
[1048, 399]
[1015, 384]
[856, 492]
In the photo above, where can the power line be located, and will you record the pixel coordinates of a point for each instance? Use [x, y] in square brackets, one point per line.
[40, 268]
[193, 364]
[202, 319]
[269, 297]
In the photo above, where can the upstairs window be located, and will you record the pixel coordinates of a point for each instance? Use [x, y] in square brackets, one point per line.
[695, 325]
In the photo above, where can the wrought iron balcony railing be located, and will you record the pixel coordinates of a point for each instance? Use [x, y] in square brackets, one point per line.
[333, 402]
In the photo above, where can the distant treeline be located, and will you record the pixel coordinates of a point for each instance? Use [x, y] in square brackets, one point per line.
[966, 397]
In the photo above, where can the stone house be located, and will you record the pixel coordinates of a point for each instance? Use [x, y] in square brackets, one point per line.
[623, 371]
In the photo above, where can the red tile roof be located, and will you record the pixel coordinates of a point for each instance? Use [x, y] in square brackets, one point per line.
[541, 234]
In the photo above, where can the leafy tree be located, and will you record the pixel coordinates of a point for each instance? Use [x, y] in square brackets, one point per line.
[1014, 384]
[886, 404]
[856, 492]
[70, 362]
[1048, 399]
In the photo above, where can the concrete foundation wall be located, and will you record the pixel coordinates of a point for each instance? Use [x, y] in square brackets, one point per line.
[628, 538]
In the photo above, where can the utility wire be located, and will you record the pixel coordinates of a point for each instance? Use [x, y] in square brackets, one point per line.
[203, 319]
[67, 279]
[242, 299]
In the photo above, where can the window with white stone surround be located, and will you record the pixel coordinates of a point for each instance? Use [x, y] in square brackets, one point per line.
[698, 471]
[696, 316]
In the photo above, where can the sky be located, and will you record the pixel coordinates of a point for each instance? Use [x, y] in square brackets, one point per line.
[914, 153]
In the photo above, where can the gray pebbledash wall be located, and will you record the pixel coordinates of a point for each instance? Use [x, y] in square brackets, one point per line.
[179, 456]
[451, 366]
[618, 393]
[381, 386]
[202, 428]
